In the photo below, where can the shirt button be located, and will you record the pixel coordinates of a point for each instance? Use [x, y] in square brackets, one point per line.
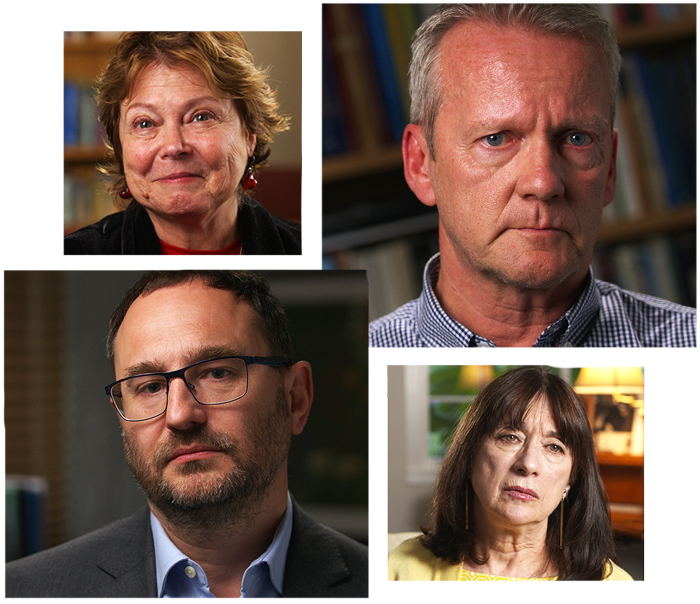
[190, 572]
[483, 348]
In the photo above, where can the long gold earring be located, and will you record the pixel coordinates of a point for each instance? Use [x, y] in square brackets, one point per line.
[561, 522]
[466, 522]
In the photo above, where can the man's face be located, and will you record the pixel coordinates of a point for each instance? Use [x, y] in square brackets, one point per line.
[524, 154]
[196, 457]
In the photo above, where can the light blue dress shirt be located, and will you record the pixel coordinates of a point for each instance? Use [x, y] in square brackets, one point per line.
[180, 577]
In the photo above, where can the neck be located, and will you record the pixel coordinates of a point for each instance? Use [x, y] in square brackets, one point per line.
[202, 231]
[224, 551]
[512, 551]
[506, 314]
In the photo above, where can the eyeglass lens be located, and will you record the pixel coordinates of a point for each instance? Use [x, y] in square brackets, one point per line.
[212, 383]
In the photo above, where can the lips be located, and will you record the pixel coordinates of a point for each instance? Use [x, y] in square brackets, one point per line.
[178, 176]
[191, 453]
[521, 493]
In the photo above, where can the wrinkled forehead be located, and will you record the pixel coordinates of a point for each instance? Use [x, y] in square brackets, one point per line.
[485, 58]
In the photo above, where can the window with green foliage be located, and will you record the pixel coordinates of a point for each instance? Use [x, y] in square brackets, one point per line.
[452, 388]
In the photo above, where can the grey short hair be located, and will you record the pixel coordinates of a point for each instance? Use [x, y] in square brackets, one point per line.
[581, 20]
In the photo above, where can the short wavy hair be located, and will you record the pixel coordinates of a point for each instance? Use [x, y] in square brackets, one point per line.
[588, 540]
[580, 20]
[227, 65]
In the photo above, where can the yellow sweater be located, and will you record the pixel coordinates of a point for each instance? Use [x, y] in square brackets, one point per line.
[410, 561]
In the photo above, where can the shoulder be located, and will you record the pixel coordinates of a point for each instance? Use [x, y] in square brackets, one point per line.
[401, 319]
[653, 321]
[636, 303]
[412, 561]
[316, 535]
[396, 334]
[615, 573]
[83, 565]
[263, 233]
[103, 237]
[322, 562]
[128, 232]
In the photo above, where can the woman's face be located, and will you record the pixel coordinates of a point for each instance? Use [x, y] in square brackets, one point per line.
[184, 149]
[519, 476]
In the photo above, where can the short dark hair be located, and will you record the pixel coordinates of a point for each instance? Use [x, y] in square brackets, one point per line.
[245, 286]
[587, 541]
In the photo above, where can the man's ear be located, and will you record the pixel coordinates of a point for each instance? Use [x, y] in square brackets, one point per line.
[416, 156]
[612, 173]
[300, 393]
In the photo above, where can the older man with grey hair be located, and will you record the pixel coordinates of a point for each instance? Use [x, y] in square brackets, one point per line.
[512, 139]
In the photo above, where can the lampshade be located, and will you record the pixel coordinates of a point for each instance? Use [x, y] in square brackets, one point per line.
[610, 380]
[475, 376]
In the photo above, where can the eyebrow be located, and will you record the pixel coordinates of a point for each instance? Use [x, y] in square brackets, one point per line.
[187, 106]
[498, 122]
[200, 353]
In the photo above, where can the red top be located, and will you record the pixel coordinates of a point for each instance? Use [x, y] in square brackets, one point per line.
[232, 250]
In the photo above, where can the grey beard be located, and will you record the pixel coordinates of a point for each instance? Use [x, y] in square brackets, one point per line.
[232, 501]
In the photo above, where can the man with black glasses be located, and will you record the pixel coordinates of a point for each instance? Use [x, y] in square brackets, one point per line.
[208, 397]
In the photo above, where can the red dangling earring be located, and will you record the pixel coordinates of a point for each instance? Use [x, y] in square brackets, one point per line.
[125, 193]
[249, 181]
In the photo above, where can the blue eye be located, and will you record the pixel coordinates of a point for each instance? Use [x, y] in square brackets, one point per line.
[579, 139]
[494, 140]
[144, 124]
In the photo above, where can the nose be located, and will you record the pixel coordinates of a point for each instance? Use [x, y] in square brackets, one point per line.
[529, 460]
[174, 143]
[540, 176]
[183, 410]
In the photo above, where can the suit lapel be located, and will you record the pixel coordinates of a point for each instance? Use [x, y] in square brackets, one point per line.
[129, 564]
[314, 562]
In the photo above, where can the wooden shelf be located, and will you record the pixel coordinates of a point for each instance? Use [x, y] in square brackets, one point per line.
[83, 59]
[82, 155]
[361, 164]
[650, 34]
[662, 223]
[611, 459]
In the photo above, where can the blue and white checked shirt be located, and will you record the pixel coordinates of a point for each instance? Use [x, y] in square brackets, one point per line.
[180, 577]
[605, 315]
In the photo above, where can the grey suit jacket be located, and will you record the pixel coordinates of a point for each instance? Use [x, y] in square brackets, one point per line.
[118, 561]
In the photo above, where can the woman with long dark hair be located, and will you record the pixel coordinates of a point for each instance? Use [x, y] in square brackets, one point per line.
[519, 495]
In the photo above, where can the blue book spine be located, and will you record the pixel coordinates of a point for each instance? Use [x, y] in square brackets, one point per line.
[71, 113]
[388, 82]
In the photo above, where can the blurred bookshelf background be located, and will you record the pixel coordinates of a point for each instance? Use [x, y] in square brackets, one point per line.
[85, 195]
[373, 221]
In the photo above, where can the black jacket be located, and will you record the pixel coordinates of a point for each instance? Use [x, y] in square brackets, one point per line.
[118, 561]
[132, 232]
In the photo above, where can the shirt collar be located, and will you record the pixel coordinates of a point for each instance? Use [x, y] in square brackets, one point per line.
[437, 328]
[267, 568]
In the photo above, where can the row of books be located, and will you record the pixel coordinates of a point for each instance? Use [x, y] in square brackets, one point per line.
[80, 125]
[662, 266]
[366, 54]
[656, 128]
[24, 515]
[623, 15]
[86, 199]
